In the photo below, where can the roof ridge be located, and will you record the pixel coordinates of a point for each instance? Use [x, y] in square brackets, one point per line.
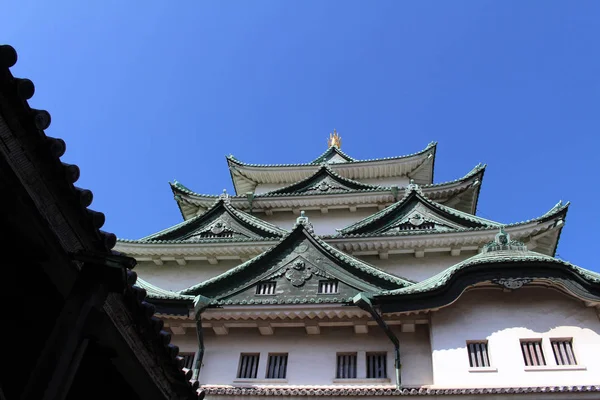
[329, 171]
[319, 159]
[157, 292]
[238, 162]
[305, 226]
[241, 215]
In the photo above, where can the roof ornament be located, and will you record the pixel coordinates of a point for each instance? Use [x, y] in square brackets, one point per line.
[303, 220]
[224, 196]
[334, 140]
[502, 242]
[413, 186]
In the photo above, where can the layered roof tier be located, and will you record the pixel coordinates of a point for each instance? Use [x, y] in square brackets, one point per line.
[326, 188]
[418, 166]
[294, 272]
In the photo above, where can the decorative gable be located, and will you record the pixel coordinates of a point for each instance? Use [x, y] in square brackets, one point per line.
[221, 221]
[324, 181]
[414, 212]
[293, 272]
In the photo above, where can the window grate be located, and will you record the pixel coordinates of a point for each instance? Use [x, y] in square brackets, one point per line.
[328, 287]
[248, 366]
[532, 353]
[266, 288]
[188, 359]
[478, 354]
[346, 366]
[563, 351]
[376, 365]
[277, 367]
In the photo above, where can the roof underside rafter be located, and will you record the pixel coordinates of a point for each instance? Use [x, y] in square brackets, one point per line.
[418, 166]
[461, 194]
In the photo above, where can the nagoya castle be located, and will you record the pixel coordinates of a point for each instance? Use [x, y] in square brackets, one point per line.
[366, 278]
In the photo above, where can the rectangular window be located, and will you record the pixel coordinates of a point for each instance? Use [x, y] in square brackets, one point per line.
[266, 288]
[346, 366]
[188, 359]
[328, 287]
[277, 366]
[377, 365]
[532, 353]
[478, 354]
[248, 366]
[563, 351]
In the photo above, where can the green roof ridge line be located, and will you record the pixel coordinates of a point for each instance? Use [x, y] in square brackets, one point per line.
[236, 161]
[154, 292]
[329, 171]
[474, 171]
[443, 277]
[333, 149]
[361, 265]
[249, 219]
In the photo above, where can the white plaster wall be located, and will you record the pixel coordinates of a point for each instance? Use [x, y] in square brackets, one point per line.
[324, 224]
[505, 318]
[172, 276]
[398, 181]
[413, 268]
[311, 358]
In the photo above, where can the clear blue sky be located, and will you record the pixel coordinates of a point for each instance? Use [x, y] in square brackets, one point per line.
[146, 92]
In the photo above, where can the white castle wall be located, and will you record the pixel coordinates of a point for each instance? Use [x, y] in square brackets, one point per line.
[171, 276]
[413, 268]
[505, 318]
[311, 358]
[323, 224]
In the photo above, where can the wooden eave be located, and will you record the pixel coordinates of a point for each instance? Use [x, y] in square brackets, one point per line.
[461, 194]
[418, 167]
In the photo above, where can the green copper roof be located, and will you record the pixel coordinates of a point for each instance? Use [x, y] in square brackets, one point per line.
[154, 292]
[220, 222]
[330, 153]
[301, 257]
[234, 160]
[324, 181]
[178, 188]
[416, 212]
[493, 253]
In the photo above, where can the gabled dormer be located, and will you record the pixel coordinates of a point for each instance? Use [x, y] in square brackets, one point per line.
[414, 213]
[324, 181]
[301, 269]
[221, 221]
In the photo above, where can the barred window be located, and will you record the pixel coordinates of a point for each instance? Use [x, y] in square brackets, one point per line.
[533, 354]
[478, 354]
[188, 359]
[266, 288]
[328, 287]
[248, 366]
[346, 366]
[277, 366]
[563, 351]
[376, 365]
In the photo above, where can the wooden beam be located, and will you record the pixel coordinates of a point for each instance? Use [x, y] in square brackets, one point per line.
[352, 208]
[220, 329]
[312, 328]
[408, 327]
[266, 329]
[419, 253]
[181, 261]
[158, 261]
[455, 252]
[178, 330]
[361, 329]
[213, 260]
[384, 255]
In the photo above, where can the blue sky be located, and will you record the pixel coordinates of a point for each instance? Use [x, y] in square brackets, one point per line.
[146, 94]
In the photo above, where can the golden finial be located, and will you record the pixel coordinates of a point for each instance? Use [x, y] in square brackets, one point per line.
[335, 140]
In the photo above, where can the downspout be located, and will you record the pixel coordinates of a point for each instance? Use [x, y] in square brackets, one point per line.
[200, 304]
[363, 301]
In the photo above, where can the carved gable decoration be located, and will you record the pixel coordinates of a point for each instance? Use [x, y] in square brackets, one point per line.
[324, 181]
[413, 213]
[292, 272]
[221, 221]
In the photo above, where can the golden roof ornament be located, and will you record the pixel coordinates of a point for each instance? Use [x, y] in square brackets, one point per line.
[335, 140]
